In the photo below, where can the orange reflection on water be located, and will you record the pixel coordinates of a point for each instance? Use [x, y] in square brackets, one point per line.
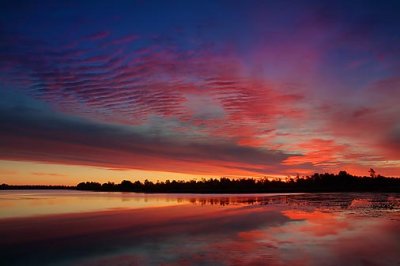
[31, 203]
[319, 223]
[213, 230]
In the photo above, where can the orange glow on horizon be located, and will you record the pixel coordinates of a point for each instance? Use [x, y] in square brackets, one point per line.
[36, 173]
[39, 173]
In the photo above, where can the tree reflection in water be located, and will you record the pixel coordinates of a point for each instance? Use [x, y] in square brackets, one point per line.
[301, 229]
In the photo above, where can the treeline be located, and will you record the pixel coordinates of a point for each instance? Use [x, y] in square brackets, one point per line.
[341, 182]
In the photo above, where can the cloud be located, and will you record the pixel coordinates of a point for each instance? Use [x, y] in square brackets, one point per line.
[32, 133]
[98, 36]
[318, 76]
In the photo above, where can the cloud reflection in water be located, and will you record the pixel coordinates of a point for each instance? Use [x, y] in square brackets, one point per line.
[214, 230]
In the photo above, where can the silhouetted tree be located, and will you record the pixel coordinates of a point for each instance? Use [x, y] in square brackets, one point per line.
[372, 173]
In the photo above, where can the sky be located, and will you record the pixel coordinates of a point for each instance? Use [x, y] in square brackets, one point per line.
[112, 90]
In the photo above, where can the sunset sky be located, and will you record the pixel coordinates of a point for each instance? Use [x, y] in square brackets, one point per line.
[112, 90]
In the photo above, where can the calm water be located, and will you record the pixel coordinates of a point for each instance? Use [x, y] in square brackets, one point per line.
[85, 228]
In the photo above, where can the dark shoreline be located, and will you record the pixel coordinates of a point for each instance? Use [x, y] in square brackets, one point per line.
[16, 188]
[317, 183]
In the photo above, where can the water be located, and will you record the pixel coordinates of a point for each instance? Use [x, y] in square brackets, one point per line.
[91, 228]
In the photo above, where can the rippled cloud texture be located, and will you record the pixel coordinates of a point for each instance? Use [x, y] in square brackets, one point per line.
[219, 88]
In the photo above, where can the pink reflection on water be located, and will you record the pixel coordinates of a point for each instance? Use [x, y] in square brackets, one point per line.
[218, 231]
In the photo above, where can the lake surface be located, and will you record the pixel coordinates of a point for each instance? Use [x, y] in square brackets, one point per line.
[96, 228]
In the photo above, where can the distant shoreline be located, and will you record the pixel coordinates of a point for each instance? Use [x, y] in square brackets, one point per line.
[341, 182]
[32, 188]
